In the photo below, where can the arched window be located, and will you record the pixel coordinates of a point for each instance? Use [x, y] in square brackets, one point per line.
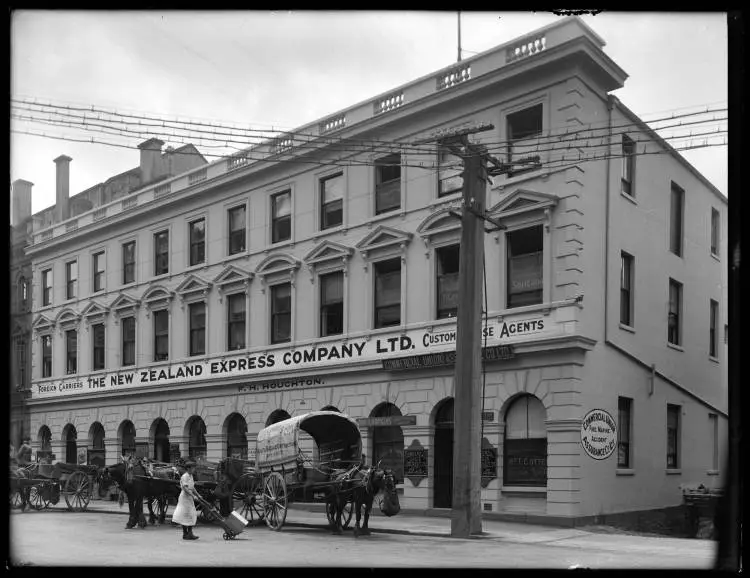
[277, 416]
[525, 455]
[197, 439]
[237, 437]
[161, 441]
[128, 439]
[45, 439]
[330, 408]
[23, 294]
[388, 442]
[71, 447]
[96, 449]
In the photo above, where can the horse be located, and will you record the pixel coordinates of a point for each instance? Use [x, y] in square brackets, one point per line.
[361, 485]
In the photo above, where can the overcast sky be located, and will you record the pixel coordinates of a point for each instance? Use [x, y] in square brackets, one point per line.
[288, 69]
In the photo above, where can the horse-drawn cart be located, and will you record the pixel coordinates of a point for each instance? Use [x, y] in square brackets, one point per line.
[43, 483]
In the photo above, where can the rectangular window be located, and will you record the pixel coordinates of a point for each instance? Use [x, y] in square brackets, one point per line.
[713, 423]
[97, 354]
[446, 260]
[46, 356]
[624, 417]
[331, 201]
[128, 341]
[674, 330]
[675, 219]
[450, 172]
[161, 253]
[71, 351]
[98, 266]
[128, 262]
[21, 361]
[197, 241]
[332, 304]
[197, 328]
[161, 335]
[281, 313]
[673, 436]
[525, 247]
[388, 184]
[71, 279]
[47, 287]
[628, 166]
[237, 229]
[626, 289]
[236, 321]
[715, 232]
[524, 130]
[713, 343]
[281, 217]
[387, 293]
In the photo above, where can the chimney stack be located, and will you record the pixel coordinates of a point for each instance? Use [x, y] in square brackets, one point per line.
[62, 188]
[20, 202]
[151, 163]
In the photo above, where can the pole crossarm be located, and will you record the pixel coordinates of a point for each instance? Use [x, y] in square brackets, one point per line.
[455, 135]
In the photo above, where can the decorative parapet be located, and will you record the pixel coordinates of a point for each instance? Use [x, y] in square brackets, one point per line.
[197, 176]
[129, 203]
[100, 213]
[162, 190]
[454, 76]
[236, 161]
[388, 103]
[282, 144]
[71, 226]
[526, 48]
[332, 124]
[46, 235]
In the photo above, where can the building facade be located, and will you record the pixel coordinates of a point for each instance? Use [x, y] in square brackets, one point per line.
[184, 317]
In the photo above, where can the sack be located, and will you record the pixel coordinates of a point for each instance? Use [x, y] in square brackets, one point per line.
[389, 505]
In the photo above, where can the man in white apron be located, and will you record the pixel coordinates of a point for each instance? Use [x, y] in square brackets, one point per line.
[185, 513]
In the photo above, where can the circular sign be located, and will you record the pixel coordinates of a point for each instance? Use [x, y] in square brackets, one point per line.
[598, 434]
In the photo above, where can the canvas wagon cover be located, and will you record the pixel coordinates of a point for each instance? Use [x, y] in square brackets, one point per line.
[278, 444]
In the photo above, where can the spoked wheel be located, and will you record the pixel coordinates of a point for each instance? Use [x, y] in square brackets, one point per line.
[247, 498]
[77, 492]
[275, 500]
[346, 515]
[38, 497]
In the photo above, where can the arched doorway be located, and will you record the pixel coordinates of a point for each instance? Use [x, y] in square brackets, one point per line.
[525, 443]
[388, 442]
[96, 445]
[127, 438]
[197, 438]
[237, 437]
[45, 443]
[443, 472]
[161, 440]
[277, 416]
[70, 435]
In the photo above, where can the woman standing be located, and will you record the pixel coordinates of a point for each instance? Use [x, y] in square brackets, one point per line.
[185, 512]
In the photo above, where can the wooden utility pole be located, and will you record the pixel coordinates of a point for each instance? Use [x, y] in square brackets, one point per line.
[466, 518]
[459, 37]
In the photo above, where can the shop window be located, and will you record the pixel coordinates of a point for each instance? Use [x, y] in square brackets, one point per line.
[197, 313]
[626, 289]
[676, 216]
[624, 421]
[128, 262]
[525, 451]
[281, 313]
[673, 436]
[71, 351]
[236, 321]
[237, 438]
[524, 271]
[387, 293]
[388, 442]
[97, 354]
[388, 184]
[46, 356]
[237, 229]
[45, 439]
[197, 232]
[628, 166]
[161, 335]
[281, 217]
[161, 253]
[674, 330]
[524, 130]
[128, 439]
[446, 259]
[331, 201]
[332, 304]
[98, 266]
[71, 279]
[128, 341]
[450, 172]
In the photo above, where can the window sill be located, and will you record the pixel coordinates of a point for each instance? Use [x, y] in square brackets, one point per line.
[524, 489]
[625, 472]
[714, 359]
[447, 199]
[627, 328]
[630, 198]
[675, 347]
[715, 256]
[196, 267]
[329, 231]
[673, 471]
[383, 216]
[235, 256]
[712, 473]
[279, 245]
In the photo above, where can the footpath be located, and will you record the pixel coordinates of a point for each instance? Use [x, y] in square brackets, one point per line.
[409, 523]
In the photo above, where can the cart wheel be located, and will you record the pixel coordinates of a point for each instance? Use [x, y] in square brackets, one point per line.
[37, 498]
[275, 500]
[226, 536]
[247, 498]
[77, 492]
[346, 515]
[15, 499]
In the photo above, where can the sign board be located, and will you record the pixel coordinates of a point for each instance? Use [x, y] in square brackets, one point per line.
[415, 462]
[82, 456]
[257, 368]
[387, 421]
[488, 415]
[598, 434]
[489, 463]
[496, 353]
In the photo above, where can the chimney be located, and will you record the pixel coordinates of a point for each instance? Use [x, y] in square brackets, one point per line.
[20, 202]
[151, 168]
[62, 187]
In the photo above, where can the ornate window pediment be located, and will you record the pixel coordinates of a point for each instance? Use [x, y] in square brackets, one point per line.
[67, 319]
[42, 324]
[94, 312]
[192, 288]
[232, 278]
[384, 240]
[276, 267]
[124, 304]
[328, 254]
[523, 201]
[443, 224]
[157, 297]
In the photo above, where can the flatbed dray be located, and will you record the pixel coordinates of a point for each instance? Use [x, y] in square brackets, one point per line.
[43, 485]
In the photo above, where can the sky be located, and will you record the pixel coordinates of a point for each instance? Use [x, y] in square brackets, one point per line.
[286, 69]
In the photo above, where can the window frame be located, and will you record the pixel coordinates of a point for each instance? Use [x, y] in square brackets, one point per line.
[444, 150]
[530, 444]
[233, 233]
[124, 322]
[196, 248]
[164, 255]
[99, 277]
[71, 282]
[672, 314]
[277, 221]
[47, 287]
[627, 297]
[324, 306]
[46, 343]
[198, 331]
[383, 187]
[676, 219]
[376, 269]
[673, 436]
[324, 205]
[276, 314]
[715, 236]
[71, 356]
[627, 179]
[713, 343]
[234, 297]
[624, 442]
[128, 266]
[508, 276]
[511, 140]
[713, 420]
[163, 334]
[101, 349]
[438, 276]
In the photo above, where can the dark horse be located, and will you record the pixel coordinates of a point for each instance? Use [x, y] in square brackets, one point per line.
[360, 487]
[137, 488]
